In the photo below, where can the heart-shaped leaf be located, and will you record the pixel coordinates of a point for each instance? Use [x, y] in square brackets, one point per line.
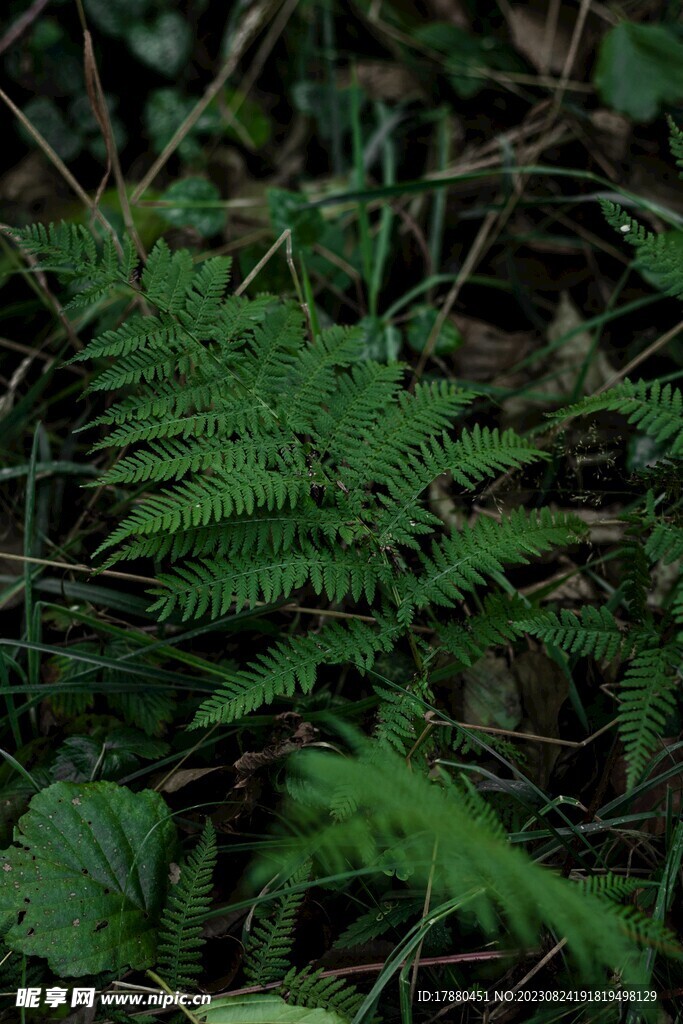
[196, 200]
[86, 880]
[164, 45]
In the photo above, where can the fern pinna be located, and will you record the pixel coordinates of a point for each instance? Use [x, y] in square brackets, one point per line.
[264, 463]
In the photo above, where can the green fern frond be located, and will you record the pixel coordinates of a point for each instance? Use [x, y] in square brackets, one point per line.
[610, 887]
[203, 308]
[271, 938]
[144, 336]
[656, 253]
[214, 585]
[361, 396]
[657, 409]
[180, 930]
[482, 453]
[495, 624]
[379, 450]
[377, 922]
[166, 277]
[210, 499]
[315, 378]
[665, 543]
[475, 456]
[593, 633]
[460, 562]
[176, 458]
[308, 988]
[70, 251]
[258, 533]
[636, 580]
[294, 663]
[647, 698]
[397, 715]
[675, 141]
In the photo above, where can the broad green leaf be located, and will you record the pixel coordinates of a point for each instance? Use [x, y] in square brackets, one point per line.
[640, 68]
[107, 754]
[190, 195]
[466, 57]
[381, 341]
[163, 45]
[289, 210]
[421, 326]
[264, 1009]
[47, 118]
[165, 110]
[254, 121]
[116, 17]
[86, 878]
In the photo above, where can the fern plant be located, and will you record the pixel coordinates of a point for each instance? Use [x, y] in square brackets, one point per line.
[263, 464]
[180, 932]
[270, 940]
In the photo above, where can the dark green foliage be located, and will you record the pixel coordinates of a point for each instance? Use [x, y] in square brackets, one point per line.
[269, 464]
[271, 938]
[594, 632]
[647, 698]
[451, 836]
[377, 922]
[180, 932]
[398, 714]
[656, 409]
[308, 988]
[495, 624]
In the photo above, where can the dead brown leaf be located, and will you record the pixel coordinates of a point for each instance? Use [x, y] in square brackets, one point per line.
[184, 776]
[452, 11]
[252, 760]
[614, 133]
[383, 80]
[488, 351]
[564, 365]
